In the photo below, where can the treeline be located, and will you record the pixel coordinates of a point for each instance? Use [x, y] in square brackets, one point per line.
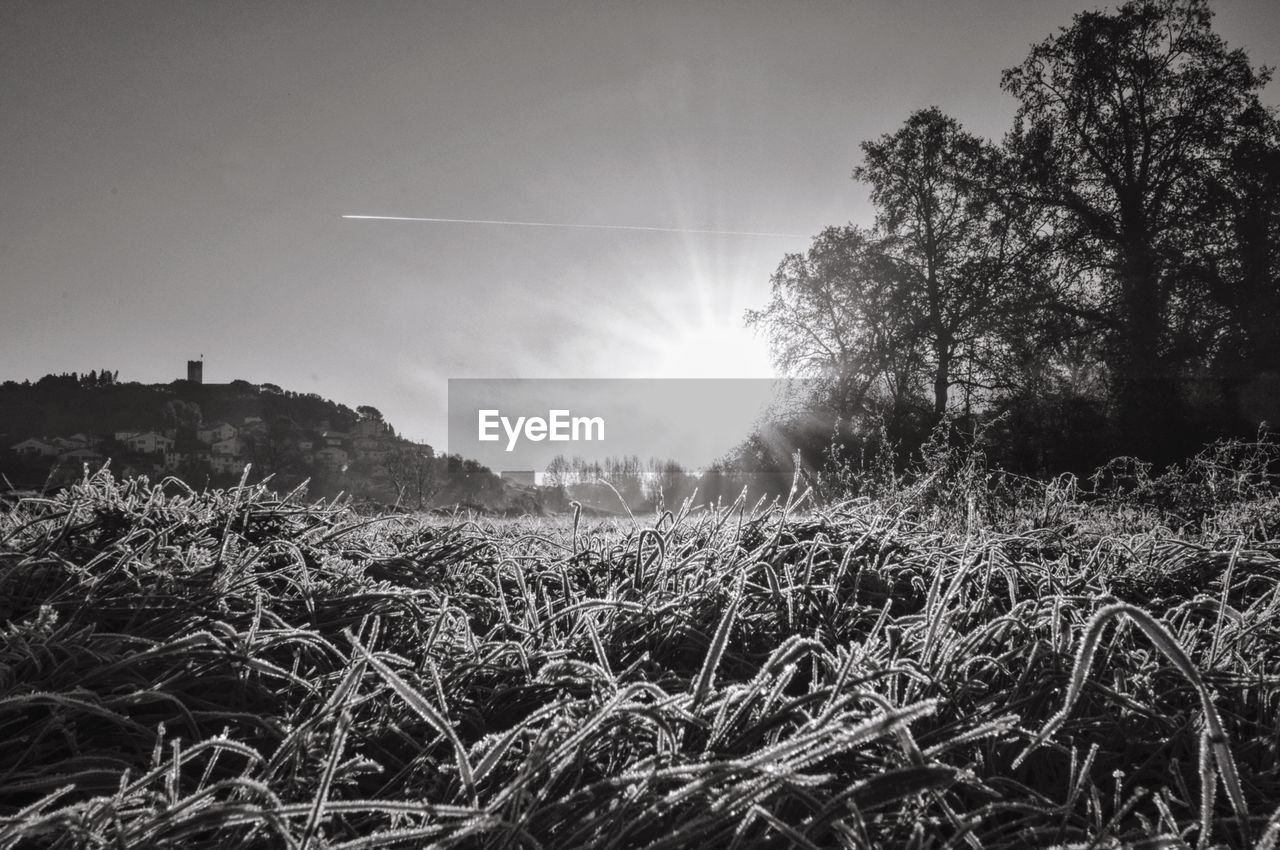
[92, 378]
[614, 481]
[1104, 280]
[628, 483]
[98, 403]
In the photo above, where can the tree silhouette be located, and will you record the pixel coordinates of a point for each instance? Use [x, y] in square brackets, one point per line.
[1121, 119]
[1240, 262]
[950, 240]
[838, 314]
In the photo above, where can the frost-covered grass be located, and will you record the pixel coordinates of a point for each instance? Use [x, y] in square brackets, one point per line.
[236, 669]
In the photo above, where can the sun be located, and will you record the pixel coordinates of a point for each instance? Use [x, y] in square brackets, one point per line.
[710, 350]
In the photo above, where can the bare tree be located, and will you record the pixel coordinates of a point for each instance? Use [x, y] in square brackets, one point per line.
[411, 470]
[835, 315]
[954, 246]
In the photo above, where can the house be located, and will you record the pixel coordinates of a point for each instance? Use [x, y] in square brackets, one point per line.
[186, 457]
[123, 436]
[82, 455]
[232, 445]
[88, 440]
[331, 457]
[32, 447]
[226, 464]
[253, 425]
[370, 428]
[149, 442]
[215, 431]
[334, 438]
[373, 448]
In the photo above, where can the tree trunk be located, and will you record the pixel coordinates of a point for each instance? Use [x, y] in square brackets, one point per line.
[1146, 393]
[941, 379]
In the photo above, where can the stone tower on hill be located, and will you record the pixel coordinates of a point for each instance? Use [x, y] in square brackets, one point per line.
[195, 371]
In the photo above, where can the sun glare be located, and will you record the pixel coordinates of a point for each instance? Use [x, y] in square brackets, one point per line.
[716, 351]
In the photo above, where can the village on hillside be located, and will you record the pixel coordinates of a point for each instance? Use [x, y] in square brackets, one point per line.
[63, 426]
[292, 437]
[225, 448]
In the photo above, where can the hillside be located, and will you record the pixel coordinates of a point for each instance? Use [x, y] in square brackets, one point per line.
[68, 404]
[54, 428]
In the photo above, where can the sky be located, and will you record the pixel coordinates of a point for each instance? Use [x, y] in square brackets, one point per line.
[173, 177]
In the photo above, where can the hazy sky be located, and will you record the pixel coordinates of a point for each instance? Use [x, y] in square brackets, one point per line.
[172, 176]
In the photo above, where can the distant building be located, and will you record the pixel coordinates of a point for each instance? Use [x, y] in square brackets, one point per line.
[149, 442]
[371, 448]
[253, 426]
[31, 447]
[370, 428]
[334, 438]
[82, 456]
[190, 457]
[195, 371]
[230, 446]
[527, 477]
[215, 431]
[226, 464]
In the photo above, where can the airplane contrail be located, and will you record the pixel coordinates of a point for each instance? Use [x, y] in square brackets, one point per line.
[576, 226]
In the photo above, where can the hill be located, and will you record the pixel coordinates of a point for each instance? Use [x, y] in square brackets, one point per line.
[51, 429]
[70, 403]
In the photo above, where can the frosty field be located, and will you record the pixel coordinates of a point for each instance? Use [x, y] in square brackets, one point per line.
[934, 668]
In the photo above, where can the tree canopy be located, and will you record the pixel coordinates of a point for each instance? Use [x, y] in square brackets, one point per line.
[1117, 251]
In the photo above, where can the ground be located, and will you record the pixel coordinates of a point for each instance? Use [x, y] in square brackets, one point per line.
[233, 669]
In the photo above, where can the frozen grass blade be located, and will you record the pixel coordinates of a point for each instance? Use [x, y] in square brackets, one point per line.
[1215, 735]
[424, 709]
[715, 652]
